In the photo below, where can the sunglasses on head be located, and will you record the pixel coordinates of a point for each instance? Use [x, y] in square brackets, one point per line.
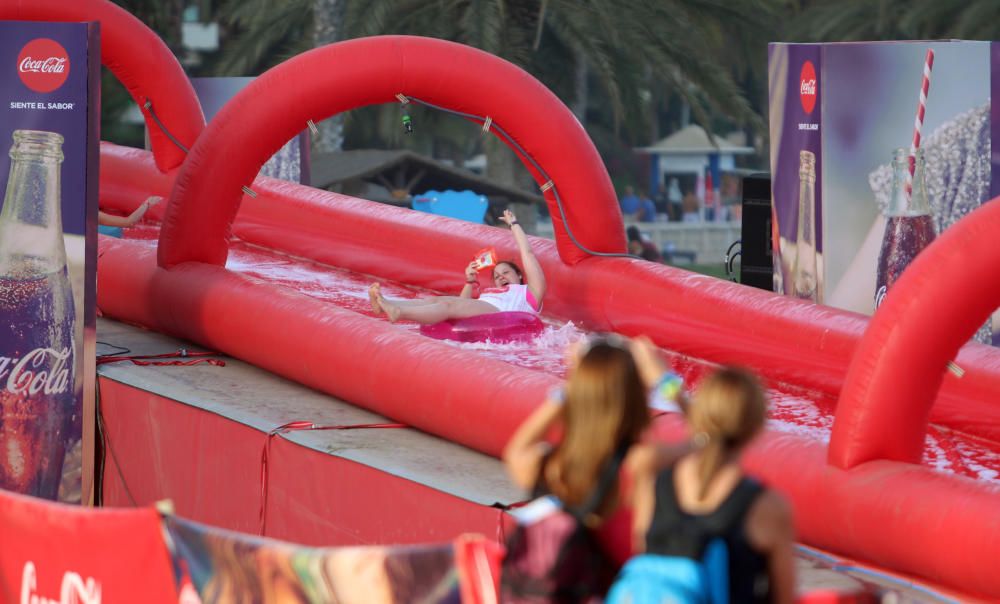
[604, 339]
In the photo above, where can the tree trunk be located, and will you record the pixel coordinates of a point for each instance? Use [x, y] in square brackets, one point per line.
[327, 19]
[581, 92]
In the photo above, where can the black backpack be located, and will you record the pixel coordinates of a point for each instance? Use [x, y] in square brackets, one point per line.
[552, 556]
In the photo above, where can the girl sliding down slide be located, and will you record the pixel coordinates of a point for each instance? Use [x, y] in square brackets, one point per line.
[515, 290]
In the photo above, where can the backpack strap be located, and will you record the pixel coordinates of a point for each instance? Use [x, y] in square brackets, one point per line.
[734, 509]
[605, 480]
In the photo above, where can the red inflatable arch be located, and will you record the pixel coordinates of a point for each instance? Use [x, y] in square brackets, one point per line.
[938, 304]
[367, 71]
[141, 62]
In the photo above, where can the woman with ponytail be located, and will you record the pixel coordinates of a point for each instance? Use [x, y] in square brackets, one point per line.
[705, 531]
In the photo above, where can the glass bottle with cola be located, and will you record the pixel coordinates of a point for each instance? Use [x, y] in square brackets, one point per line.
[805, 281]
[909, 227]
[37, 397]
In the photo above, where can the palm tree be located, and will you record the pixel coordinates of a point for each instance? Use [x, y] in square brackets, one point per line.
[614, 62]
[626, 52]
[841, 20]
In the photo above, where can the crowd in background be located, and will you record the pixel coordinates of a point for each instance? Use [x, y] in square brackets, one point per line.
[673, 205]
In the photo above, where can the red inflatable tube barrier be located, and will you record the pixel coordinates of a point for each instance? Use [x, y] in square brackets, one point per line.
[937, 305]
[791, 341]
[269, 112]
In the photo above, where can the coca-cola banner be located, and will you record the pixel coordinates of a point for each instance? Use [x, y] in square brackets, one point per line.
[796, 169]
[49, 130]
[52, 552]
[901, 136]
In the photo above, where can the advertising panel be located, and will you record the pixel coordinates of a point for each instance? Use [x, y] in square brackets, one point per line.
[49, 126]
[904, 135]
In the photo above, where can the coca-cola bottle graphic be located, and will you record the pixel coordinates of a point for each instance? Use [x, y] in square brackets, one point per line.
[805, 271]
[909, 226]
[37, 318]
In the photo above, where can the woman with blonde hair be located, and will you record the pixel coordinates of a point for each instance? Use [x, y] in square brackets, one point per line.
[601, 414]
[709, 532]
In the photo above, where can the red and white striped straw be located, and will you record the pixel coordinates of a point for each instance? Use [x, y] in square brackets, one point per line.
[925, 86]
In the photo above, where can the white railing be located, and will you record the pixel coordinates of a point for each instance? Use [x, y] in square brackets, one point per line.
[707, 241]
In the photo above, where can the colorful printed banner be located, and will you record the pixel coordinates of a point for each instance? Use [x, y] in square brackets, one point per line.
[224, 566]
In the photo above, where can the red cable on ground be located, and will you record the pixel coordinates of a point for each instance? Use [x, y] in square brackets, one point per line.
[300, 425]
[144, 360]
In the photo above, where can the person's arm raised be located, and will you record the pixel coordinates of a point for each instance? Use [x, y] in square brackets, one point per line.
[534, 277]
[527, 447]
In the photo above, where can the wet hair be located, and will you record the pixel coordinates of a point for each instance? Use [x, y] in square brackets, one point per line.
[513, 265]
[729, 408]
[605, 409]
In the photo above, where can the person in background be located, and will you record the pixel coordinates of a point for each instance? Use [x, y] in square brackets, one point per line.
[630, 204]
[641, 246]
[647, 209]
[110, 224]
[732, 199]
[703, 502]
[691, 207]
[674, 197]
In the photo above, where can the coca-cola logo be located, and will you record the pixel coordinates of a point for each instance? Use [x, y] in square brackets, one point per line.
[43, 65]
[44, 370]
[74, 589]
[807, 87]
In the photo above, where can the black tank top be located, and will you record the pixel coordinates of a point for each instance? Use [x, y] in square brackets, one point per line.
[674, 532]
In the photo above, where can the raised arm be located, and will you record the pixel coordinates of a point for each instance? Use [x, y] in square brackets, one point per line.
[526, 448]
[533, 275]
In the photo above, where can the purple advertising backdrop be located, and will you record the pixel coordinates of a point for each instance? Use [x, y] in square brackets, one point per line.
[800, 131]
[49, 81]
[795, 107]
[995, 124]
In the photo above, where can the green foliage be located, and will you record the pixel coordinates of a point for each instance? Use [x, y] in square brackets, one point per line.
[841, 20]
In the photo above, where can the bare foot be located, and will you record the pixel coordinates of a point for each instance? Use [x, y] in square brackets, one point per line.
[391, 310]
[374, 293]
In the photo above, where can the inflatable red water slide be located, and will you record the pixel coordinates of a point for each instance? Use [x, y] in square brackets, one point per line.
[864, 495]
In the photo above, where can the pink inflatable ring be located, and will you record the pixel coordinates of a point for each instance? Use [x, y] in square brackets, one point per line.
[496, 327]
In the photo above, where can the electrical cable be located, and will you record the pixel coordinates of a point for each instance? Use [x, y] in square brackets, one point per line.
[148, 106]
[548, 181]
